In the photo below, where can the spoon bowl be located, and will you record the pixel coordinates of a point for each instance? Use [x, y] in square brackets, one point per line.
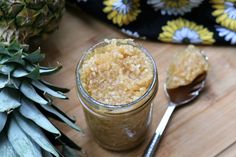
[185, 94]
[177, 97]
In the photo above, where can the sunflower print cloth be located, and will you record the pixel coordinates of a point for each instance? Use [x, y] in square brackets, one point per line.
[202, 22]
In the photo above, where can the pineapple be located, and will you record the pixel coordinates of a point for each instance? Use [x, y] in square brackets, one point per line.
[26, 104]
[26, 99]
[24, 20]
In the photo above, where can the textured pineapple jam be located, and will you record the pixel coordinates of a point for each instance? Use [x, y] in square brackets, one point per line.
[116, 73]
[186, 66]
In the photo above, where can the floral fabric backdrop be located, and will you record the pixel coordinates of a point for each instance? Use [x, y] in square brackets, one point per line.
[177, 21]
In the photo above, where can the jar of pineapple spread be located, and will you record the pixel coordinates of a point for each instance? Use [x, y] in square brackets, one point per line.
[117, 81]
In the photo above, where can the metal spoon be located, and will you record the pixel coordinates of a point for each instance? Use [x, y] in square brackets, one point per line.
[177, 97]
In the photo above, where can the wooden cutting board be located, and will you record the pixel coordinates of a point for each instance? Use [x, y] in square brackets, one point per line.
[205, 128]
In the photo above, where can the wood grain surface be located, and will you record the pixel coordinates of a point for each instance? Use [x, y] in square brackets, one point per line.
[205, 128]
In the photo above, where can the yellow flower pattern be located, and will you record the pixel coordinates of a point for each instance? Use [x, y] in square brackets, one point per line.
[174, 7]
[225, 13]
[184, 31]
[121, 12]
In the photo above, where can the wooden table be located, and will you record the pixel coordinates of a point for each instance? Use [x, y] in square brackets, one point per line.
[205, 128]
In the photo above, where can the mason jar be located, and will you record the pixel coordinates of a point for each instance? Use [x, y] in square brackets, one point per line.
[118, 127]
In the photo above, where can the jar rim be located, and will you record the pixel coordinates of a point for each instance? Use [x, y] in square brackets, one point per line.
[95, 102]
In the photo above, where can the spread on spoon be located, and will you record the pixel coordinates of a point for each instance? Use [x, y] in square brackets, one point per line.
[186, 66]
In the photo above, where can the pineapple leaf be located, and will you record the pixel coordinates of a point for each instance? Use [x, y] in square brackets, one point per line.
[51, 115]
[28, 110]
[6, 69]
[14, 83]
[3, 59]
[65, 140]
[4, 51]
[14, 46]
[47, 90]
[35, 133]
[49, 70]
[22, 144]
[52, 110]
[5, 147]
[63, 90]
[19, 72]
[34, 74]
[29, 92]
[69, 152]
[9, 99]
[3, 81]
[35, 57]
[16, 58]
[63, 113]
[3, 120]
[46, 154]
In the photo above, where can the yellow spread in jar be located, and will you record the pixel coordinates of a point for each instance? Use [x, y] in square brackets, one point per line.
[186, 66]
[117, 73]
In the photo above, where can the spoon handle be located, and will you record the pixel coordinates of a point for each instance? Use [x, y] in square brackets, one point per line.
[152, 146]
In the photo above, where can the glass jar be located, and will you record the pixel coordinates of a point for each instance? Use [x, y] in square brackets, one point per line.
[118, 127]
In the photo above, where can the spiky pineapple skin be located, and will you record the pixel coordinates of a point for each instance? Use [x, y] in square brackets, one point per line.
[24, 20]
